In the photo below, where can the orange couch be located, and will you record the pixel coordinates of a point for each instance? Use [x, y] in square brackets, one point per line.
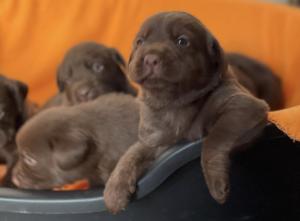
[35, 35]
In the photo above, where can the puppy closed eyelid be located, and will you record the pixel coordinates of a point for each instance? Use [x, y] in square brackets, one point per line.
[29, 160]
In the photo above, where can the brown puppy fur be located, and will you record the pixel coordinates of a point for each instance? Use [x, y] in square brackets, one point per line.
[187, 92]
[63, 144]
[88, 71]
[12, 115]
[257, 78]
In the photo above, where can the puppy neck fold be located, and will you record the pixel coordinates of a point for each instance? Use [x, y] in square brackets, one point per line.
[159, 99]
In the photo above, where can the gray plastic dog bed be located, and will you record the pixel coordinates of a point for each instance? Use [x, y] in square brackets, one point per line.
[264, 186]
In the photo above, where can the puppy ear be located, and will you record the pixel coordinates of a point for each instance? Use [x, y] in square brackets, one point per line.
[127, 87]
[117, 57]
[217, 62]
[20, 91]
[130, 57]
[23, 89]
[60, 76]
[70, 152]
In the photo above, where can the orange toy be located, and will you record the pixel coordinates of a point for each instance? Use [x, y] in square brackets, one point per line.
[78, 185]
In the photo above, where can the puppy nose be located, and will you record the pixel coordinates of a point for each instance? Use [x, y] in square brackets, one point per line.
[82, 93]
[151, 60]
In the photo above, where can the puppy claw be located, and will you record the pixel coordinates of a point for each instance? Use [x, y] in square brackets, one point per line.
[115, 201]
[132, 189]
[217, 178]
[116, 196]
[219, 191]
[218, 186]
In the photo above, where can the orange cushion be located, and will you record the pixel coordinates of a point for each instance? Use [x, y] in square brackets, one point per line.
[36, 34]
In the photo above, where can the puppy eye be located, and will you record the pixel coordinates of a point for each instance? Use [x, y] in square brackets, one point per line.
[29, 160]
[183, 41]
[139, 41]
[97, 67]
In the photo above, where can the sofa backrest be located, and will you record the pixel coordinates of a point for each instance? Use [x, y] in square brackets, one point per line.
[34, 34]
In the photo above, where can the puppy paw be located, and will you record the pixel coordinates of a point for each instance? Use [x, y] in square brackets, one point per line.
[117, 194]
[218, 186]
[217, 180]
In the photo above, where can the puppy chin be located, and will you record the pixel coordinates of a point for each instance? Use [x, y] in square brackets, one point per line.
[152, 81]
[74, 97]
[142, 77]
[149, 77]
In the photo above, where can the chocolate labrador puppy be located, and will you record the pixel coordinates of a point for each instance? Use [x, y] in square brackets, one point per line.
[187, 92]
[88, 71]
[12, 115]
[63, 144]
[257, 78]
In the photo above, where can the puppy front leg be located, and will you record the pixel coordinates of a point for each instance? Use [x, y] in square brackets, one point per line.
[122, 182]
[240, 123]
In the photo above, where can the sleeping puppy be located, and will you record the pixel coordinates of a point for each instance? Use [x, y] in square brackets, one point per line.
[63, 144]
[257, 78]
[187, 92]
[12, 115]
[88, 71]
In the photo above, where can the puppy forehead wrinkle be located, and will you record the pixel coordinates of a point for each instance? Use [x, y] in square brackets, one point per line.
[181, 17]
[146, 29]
[88, 56]
[77, 134]
[87, 46]
[175, 23]
[87, 49]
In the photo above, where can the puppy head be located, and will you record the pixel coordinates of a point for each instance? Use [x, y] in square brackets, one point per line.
[12, 108]
[174, 52]
[98, 69]
[52, 151]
